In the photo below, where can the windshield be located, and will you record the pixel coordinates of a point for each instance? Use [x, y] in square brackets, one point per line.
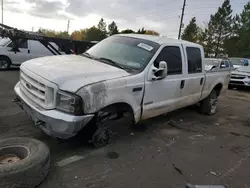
[128, 52]
[4, 41]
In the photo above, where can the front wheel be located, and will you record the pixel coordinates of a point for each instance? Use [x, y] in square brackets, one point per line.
[209, 105]
[4, 63]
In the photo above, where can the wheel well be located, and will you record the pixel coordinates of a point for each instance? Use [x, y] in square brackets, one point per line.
[120, 107]
[218, 88]
[6, 57]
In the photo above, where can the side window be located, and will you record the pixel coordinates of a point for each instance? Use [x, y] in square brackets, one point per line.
[194, 60]
[22, 43]
[224, 64]
[171, 55]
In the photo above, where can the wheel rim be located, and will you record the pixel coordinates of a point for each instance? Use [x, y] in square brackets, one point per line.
[3, 64]
[13, 154]
[213, 103]
[101, 138]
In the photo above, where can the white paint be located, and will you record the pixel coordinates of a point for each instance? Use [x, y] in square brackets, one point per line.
[33, 50]
[101, 85]
[71, 72]
[242, 76]
[69, 160]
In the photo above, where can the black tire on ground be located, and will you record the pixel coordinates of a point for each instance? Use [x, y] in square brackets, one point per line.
[4, 63]
[24, 162]
[209, 105]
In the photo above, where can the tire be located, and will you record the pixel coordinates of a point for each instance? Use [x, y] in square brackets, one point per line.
[24, 162]
[105, 122]
[209, 105]
[4, 63]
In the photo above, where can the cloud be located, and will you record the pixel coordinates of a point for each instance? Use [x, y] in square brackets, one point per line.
[160, 15]
[157, 15]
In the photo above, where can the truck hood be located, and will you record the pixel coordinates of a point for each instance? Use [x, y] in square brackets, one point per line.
[71, 72]
[242, 71]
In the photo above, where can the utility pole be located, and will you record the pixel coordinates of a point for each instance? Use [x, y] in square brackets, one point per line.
[182, 15]
[2, 10]
[68, 26]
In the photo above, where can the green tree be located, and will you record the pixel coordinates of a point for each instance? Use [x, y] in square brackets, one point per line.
[93, 34]
[102, 27]
[207, 39]
[191, 32]
[62, 34]
[243, 32]
[127, 31]
[113, 29]
[141, 31]
[219, 29]
[152, 32]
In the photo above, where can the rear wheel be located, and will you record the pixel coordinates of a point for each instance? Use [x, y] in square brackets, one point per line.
[4, 63]
[209, 105]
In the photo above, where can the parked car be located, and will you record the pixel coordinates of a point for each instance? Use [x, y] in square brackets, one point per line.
[28, 49]
[124, 76]
[240, 77]
[213, 64]
[239, 62]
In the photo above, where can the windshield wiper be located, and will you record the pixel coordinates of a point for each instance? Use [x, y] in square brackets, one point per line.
[112, 62]
[86, 54]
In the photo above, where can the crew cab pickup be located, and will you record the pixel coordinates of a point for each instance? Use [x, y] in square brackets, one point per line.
[136, 76]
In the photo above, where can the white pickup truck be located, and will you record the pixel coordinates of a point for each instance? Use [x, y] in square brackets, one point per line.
[136, 76]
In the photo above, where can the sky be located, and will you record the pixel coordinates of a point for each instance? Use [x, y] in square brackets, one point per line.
[162, 16]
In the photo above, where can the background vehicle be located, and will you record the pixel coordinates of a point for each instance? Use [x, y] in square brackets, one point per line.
[218, 64]
[28, 49]
[240, 77]
[18, 46]
[239, 62]
[124, 76]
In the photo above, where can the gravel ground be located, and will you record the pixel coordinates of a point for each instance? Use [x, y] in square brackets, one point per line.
[167, 151]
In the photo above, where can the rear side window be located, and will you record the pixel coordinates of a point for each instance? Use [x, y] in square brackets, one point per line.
[194, 60]
[22, 43]
[171, 55]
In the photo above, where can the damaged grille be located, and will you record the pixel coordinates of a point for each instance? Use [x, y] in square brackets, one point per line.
[37, 91]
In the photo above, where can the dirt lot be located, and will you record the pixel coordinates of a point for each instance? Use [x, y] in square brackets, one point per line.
[161, 153]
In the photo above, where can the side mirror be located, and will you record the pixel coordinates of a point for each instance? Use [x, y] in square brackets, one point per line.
[222, 66]
[159, 73]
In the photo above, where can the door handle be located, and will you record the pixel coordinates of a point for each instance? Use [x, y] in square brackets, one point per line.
[201, 82]
[28, 51]
[182, 84]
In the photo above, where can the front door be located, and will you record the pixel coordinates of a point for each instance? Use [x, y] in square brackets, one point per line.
[162, 96]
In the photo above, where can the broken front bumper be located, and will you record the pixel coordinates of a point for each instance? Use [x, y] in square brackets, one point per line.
[53, 122]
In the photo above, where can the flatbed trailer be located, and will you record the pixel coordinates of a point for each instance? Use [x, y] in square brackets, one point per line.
[66, 45]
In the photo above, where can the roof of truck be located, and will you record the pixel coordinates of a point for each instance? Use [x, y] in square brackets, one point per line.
[159, 39]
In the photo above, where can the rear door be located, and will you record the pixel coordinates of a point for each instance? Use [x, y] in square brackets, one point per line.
[194, 75]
